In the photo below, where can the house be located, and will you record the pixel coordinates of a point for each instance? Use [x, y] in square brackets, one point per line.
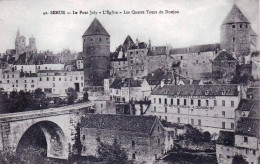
[209, 107]
[142, 137]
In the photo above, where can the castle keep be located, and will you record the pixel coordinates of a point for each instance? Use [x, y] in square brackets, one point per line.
[96, 54]
[237, 35]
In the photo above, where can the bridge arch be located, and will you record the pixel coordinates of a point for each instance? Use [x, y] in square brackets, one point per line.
[55, 138]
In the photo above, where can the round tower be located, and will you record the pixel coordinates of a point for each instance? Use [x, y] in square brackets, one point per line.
[235, 33]
[96, 54]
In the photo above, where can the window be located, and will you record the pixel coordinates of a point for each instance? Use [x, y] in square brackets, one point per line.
[241, 26]
[197, 62]
[178, 101]
[246, 25]
[165, 118]
[53, 84]
[159, 100]
[53, 78]
[7, 76]
[234, 39]
[84, 148]
[245, 139]
[171, 101]
[154, 109]
[32, 86]
[81, 77]
[232, 126]
[179, 120]
[47, 78]
[3, 76]
[7, 81]
[40, 79]
[179, 111]
[199, 122]
[165, 101]
[254, 152]
[45, 67]
[192, 121]
[158, 141]
[16, 81]
[101, 105]
[100, 39]
[223, 102]
[215, 102]
[76, 78]
[32, 81]
[12, 76]
[191, 101]
[165, 109]
[199, 103]
[232, 103]
[223, 125]
[184, 103]
[207, 102]
[83, 137]
[233, 26]
[154, 100]
[158, 128]
[133, 144]
[223, 113]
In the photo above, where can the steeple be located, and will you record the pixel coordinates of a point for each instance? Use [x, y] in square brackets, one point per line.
[235, 16]
[17, 34]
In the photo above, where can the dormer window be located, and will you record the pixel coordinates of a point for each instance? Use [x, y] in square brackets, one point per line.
[241, 26]
[224, 92]
[233, 26]
[206, 92]
[246, 25]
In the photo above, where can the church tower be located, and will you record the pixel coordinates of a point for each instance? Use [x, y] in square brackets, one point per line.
[235, 33]
[96, 54]
[32, 44]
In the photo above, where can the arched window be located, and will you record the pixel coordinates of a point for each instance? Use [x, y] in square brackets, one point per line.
[83, 137]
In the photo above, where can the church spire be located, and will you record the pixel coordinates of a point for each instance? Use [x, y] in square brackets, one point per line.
[18, 34]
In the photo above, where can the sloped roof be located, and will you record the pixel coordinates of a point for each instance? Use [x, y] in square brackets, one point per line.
[196, 90]
[196, 49]
[96, 28]
[235, 16]
[131, 123]
[252, 32]
[248, 126]
[128, 41]
[158, 50]
[224, 55]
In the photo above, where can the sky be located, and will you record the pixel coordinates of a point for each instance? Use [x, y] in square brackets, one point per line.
[198, 21]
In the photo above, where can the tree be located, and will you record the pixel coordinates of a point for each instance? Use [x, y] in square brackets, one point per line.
[85, 96]
[112, 154]
[78, 145]
[238, 159]
[71, 96]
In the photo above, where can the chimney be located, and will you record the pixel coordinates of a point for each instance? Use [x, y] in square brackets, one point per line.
[162, 83]
[191, 81]
[137, 42]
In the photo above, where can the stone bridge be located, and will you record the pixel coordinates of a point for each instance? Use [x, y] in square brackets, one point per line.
[57, 124]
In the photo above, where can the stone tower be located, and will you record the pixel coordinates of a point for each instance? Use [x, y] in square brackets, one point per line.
[32, 44]
[96, 54]
[235, 33]
[20, 43]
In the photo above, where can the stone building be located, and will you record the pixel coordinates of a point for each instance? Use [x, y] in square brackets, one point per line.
[209, 107]
[237, 36]
[224, 67]
[193, 62]
[96, 54]
[142, 137]
[20, 44]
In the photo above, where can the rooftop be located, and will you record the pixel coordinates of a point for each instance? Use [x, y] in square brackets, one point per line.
[224, 55]
[248, 126]
[235, 16]
[133, 123]
[96, 28]
[196, 49]
[197, 90]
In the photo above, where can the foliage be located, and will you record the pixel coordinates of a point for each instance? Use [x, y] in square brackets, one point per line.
[112, 154]
[239, 159]
[71, 96]
[22, 101]
[85, 96]
[196, 135]
[78, 145]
